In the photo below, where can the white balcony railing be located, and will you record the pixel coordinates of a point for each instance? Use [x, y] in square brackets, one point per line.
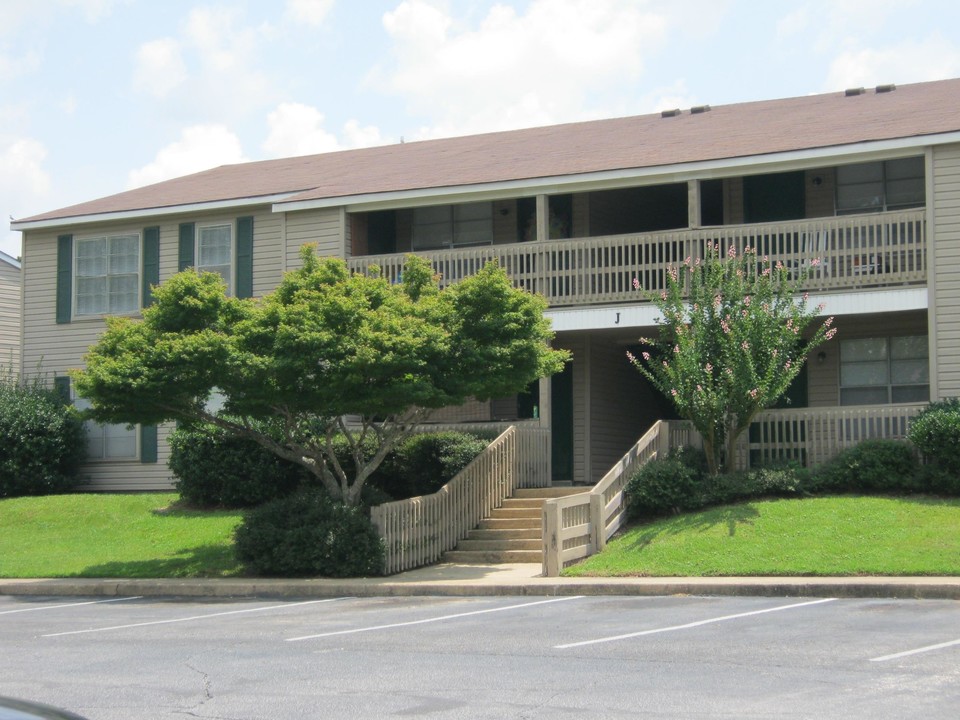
[853, 252]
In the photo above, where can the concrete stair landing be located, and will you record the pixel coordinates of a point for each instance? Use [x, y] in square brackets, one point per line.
[513, 533]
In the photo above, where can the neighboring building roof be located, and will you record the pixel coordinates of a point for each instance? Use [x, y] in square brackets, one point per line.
[9, 260]
[646, 141]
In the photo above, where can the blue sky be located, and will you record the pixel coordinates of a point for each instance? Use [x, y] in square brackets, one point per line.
[98, 96]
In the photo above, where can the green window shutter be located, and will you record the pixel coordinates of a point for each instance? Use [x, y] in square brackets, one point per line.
[61, 384]
[187, 242]
[151, 262]
[245, 257]
[148, 444]
[64, 278]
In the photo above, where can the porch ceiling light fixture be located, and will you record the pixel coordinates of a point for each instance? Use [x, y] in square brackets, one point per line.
[821, 356]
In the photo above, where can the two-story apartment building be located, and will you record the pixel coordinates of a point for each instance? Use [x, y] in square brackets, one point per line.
[866, 180]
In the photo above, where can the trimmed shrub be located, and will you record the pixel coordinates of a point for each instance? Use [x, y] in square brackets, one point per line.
[871, 466]
[216, 469]
[663, 487]
[42, 440]
[309, 535]
[425, 462]
[780, 481]
[936, 433]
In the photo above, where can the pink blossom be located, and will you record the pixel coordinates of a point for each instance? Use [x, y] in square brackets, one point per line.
[828, 322]
[716, 302]
[663, 295]
[744, 345]
[753, 393]
[676, 349]
[766, 272]
[731, 251]
[821, 306]
[646, 356]
[673, 392]
[774, 352]
[830, 333]
[746, 300]
[806, 296]
[708, 367]
[630, 357]
[815, 262]
[636, 284]
[699, 388]
[787, 364]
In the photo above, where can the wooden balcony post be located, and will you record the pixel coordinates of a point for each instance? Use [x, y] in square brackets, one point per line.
[543, 218]
[693, 203]
[551, 539]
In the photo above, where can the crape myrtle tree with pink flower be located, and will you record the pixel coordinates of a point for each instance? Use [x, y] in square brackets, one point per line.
[733, 334]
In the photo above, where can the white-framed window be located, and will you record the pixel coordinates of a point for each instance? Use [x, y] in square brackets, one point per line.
[450, 226]
[883, 370]
[108, 442]
[215, 251]
[107, 272]
[878, 186]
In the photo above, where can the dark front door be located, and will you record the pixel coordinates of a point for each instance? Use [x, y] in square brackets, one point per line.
[561, 424]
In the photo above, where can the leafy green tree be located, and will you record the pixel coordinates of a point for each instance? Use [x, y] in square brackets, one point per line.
[326, 345]
[733, 335]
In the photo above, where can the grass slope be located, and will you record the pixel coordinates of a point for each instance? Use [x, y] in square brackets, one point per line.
[843, 535]
[113, 536]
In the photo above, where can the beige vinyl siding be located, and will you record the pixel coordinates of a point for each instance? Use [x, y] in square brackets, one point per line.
[945, 263]
[823, 389]
[325, 227]
[9, 317]
[820, 195]
[621, 406]
[733, 201]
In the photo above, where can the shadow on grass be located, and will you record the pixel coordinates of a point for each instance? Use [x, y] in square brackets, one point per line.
[202, 561]
[732, 516]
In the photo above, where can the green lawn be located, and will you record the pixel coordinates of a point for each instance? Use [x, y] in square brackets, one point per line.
[845, 535]
[114, 536]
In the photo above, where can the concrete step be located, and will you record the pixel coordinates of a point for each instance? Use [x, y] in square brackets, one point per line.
[527, 533]
[515, 502]
[510, 513]
[504, 545]
[493, 557]
[550, 492]
[512, 523]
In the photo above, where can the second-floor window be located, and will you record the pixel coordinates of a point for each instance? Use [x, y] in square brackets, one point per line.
[451, 226]
[878, 186]
[108, 274]
[215, 251]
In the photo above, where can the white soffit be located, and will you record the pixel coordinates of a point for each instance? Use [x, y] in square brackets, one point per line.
[610, 317]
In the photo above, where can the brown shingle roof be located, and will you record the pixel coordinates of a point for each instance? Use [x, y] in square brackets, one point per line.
[729, 131]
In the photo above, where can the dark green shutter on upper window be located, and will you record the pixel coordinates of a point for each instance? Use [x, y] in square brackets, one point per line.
[187, 242]
[61, 384]
[244, 257]
[148, 443]
[64, 278]
[151, 262]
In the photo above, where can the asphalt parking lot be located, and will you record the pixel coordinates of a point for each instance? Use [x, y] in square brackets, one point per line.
[496, 657]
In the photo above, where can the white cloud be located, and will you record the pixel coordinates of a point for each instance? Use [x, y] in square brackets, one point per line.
[794, 23]
[200, 147]
[210, 66]
[912, 61]
[297, 129]
[93, 10]
[21, 168]
[24, 184]
[518, 70]
[309, 12]
[160, 68]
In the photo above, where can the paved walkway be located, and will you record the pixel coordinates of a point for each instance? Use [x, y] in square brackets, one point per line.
[515, 579]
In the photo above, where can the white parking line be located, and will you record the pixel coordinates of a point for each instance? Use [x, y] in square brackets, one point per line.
[55, 607]
[191, 618]
[907, 653]
[691, 625]
[432, 620]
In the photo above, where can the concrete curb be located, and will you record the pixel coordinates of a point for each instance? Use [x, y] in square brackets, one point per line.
[501, 580]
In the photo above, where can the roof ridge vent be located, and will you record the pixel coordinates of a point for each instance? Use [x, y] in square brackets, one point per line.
[670, 113]
[698, 109]
[852, 92]
[885, 88]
